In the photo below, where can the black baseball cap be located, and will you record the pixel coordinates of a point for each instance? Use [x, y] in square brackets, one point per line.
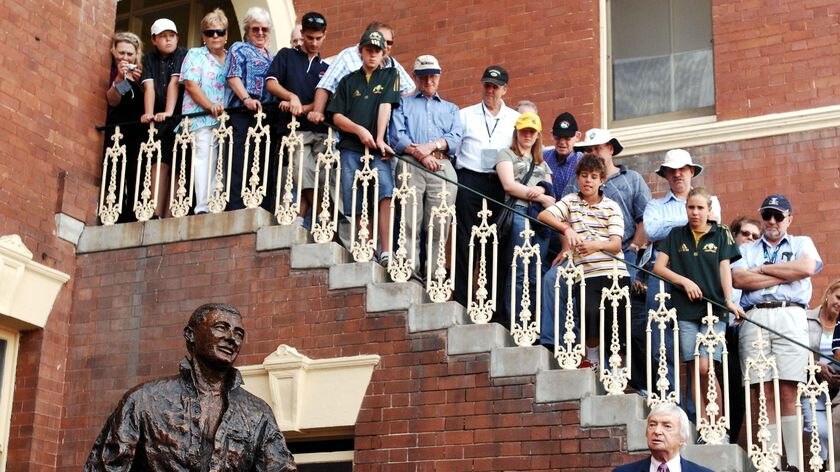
[565, 125]
[496, 75]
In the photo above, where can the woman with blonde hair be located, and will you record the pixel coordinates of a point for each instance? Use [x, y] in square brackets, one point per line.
[125, 106]
[203, 76]
[526, 179]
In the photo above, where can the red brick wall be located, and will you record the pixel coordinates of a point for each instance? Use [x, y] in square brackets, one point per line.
[55, 72]
[550, 48]
[421, 408]
[775, 56]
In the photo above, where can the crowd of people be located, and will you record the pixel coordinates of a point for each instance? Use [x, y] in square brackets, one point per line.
[580, 204]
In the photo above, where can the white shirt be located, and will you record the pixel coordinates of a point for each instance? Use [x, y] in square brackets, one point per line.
[350, 60]
[484, 134]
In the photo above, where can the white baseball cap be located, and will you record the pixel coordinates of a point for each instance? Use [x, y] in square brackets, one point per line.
[163, 24]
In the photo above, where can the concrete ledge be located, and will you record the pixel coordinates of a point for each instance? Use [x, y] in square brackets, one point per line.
[355, 275]
[519, 360]
[229, 223]
[318, 256]
[172, 230]
[476, 338]
[566, 385]
[393, 296]
[434, 316]
[107, 238]
[281, 237]
[68, 228]
[723, 458]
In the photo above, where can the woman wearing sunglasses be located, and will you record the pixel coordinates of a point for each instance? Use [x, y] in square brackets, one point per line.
[203, 76]
[247, 65]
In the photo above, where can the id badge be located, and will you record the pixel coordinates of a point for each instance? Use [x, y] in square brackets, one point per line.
[488, 159]
[769, 290]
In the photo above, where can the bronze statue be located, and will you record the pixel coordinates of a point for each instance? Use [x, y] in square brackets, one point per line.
[199, 420]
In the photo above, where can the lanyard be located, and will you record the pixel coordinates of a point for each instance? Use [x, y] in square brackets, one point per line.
[767, 256]
[486, 126]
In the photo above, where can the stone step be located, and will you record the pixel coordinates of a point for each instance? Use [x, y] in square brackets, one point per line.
[435, 316]
[318, 256]
[356, 275]
[617, 410]
[566, 385]
[476, 338]
[282, 237]
[519, 360]
[391, 296]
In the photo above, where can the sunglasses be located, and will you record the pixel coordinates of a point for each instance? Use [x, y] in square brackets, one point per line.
[748, 234]
[260, 29]
[211, 33]
[315, 19]
[775, 214]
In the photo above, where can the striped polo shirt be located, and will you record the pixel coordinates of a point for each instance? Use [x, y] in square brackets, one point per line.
[595, 222]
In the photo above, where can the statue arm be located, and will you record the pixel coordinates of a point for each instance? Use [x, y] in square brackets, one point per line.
[272, 453]
[116, 445]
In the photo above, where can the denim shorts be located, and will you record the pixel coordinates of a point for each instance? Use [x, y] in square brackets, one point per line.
[351, 162]
[688, 338]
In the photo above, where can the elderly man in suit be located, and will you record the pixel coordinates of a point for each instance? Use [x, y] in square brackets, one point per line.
[667, 432]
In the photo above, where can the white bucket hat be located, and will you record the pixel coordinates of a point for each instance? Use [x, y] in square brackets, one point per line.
[677, 159]
[596, 136]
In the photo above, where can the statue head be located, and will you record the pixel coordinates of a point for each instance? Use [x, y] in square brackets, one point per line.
[214, 335]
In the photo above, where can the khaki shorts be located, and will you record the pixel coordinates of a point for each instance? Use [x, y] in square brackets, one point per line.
[313, 144]
[791, 359]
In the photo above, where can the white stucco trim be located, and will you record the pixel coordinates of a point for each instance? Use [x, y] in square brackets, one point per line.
[308, 394]
[27, 289]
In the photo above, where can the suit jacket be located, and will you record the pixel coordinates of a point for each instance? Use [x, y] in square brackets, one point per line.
[644, 466]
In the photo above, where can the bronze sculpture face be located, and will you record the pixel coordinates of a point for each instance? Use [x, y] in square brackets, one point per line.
[216, 338]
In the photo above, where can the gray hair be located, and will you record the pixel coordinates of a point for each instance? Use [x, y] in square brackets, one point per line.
[667, 408]
[528, 104]
[256, 14]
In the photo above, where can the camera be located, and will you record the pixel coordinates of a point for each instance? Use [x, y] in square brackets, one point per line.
[131, 67]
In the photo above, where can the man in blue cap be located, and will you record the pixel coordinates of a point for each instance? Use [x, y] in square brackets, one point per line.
[775, 277]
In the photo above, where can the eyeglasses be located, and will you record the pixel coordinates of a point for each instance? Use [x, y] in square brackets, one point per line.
[748, 234]
[211, 33]
[315, 19]
[260, 29]
[768, 213]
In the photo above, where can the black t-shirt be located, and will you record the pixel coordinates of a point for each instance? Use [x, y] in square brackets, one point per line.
[161, 69]
[296, 73]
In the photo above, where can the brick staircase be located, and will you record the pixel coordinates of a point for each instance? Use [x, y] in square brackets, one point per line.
[552, 385]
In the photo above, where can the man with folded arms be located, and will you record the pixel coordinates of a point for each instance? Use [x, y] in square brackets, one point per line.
[775, 277]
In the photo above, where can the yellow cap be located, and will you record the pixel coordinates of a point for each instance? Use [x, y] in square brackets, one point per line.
[529, 120]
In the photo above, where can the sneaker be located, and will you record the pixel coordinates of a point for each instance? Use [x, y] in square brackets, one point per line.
[585, 364]
[384, 258]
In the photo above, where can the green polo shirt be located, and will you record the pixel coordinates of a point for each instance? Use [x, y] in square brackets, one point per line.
[358, 99]
[701, 264]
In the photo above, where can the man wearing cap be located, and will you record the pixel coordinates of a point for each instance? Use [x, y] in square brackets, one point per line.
[361, 109]
[426, 130]
[293, 76]
[563, 158]
[488, 127]
[775, 278]
[162, 95]
[349, 60]
[660, 217]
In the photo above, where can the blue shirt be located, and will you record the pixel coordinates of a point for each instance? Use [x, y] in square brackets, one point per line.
[561, 174]
[298, 74]
[246, 61]
[632, 194]
[789, 248]
[421, 120]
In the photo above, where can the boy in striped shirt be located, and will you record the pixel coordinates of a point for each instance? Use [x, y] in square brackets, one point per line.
[592, 227]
